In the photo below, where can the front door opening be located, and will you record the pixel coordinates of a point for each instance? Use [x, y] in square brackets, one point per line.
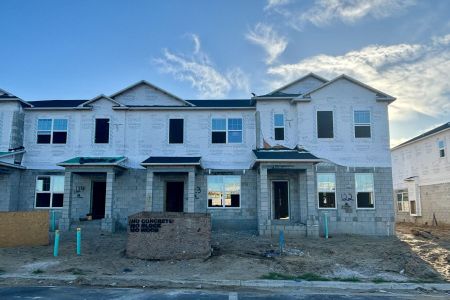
[174, 196]
[98, 199]
[280, 198]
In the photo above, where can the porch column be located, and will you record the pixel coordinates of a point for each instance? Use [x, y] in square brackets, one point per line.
[108, 223]
[148, 206]
[64, 222]
[191, 191]
[263, 201]
[312, 221]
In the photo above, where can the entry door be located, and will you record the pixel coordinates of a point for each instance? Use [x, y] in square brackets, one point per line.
[174, 196]
[280, 199]
[98, 199]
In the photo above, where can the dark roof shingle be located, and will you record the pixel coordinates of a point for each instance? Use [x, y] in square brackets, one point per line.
[430, 132]
[163, 160]
[283, 154]
[56, 103]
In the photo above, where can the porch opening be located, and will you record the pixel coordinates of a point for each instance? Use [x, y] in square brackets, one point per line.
[98, 199]
[175, 196]
[280, 199]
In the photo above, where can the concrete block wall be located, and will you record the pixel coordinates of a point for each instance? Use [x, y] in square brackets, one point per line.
[435, 199]
[243, 218]
[5, 194]
[346, 218]
[294, 193]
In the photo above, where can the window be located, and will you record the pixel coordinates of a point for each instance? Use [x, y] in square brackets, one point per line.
[49, 191]
[224, 191]
[226, 130]
[441, 146]
[325, 125]
[101, 131]
[326, 188]
[176, 131]
[52, 131]
[364, 190]
[402, 202]
[362, 123]
[278, 122]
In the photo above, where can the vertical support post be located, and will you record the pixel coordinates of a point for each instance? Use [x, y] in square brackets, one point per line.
[53, 221]
[64, 221]
[56, 244]
[191, 191]
[78, 241]
[325, 225]
[108, 222]
[149, 191]
[264, 202]
[282, 241]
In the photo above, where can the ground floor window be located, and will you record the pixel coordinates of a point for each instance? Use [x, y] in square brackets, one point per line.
[402, 202]
[49, 191]
[326, 188]
[224, 191]
[364, 190]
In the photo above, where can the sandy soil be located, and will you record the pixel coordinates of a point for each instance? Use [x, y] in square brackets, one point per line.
[246, 256]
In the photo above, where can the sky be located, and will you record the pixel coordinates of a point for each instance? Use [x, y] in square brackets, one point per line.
[199, 49]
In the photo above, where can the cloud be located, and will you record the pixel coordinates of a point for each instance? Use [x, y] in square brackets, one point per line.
[417, 74]
[265, 36]
[199, 71]
[275, 3]
[325, 12]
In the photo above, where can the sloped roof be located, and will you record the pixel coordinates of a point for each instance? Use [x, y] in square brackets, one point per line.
[232, 103]
[101, 96]
[172, 160]
[6, 96]
[284, 154]
[56, 103]
[93, 161]
[299, 80]
[424, 135]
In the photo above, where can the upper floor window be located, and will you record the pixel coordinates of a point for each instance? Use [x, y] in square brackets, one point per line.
[441, 145]
[326, 188]
[325, 125]
[176, 131]
[101, 131]
[362, 123]
[49, 191]
[224, 191]
[52, 131]
[402, 201]
[364, 190]
[226, 130]
[278, 122]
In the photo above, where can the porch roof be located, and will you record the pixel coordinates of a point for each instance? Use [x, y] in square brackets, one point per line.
[93, 161]
[284, 154]
[172, 160]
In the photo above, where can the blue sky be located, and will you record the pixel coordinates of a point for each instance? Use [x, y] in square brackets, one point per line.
[227, 49]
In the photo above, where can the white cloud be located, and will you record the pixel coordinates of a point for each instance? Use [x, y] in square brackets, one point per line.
[198, 70]
[325, 12]
[266, 37]
[417, 74]
[275, 3]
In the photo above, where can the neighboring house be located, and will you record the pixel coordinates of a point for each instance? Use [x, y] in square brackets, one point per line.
[421, 174]
[273, 162]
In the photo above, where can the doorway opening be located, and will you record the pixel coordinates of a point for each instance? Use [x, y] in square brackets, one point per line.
[98, 199]
[280, 199]
[175, 196]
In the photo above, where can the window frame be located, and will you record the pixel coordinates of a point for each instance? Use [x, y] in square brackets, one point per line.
[52, 131]
[168, 133]
[442, 149]
[51, 192]
[223, 189]
[373, 193]
[227, 130]
[317, 125]
[275, 127]
[362, 124]
[109, 130]
[402, 193]
[335, 191]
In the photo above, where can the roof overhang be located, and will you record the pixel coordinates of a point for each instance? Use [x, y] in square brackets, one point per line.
[180, 108]
[9, 153]
[94, 162]
[172, 161]
[13, 166]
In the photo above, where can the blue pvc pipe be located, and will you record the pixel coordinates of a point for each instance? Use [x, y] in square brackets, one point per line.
[78, 241]
[326, 225]
[56, 245]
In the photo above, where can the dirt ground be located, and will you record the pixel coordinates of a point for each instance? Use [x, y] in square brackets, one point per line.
[408, 257]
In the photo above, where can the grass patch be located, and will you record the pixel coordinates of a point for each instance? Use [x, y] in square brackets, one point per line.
[380, 280]
[306, 277]
[38, 271]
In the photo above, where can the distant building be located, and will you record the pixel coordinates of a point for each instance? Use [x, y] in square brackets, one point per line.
[421, 175]
[274, 162]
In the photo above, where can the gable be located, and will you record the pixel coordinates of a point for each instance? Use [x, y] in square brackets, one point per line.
[302, 86]
[343, 88]
[145, 94]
